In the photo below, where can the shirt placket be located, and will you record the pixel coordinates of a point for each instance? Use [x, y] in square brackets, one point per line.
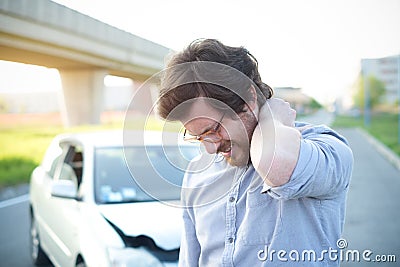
[230, 224]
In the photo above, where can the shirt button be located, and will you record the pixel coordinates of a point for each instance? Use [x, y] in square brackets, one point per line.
[231, 199]
[230, 239]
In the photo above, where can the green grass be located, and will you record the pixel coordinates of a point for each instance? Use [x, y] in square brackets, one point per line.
[22, 146]
[383, 126]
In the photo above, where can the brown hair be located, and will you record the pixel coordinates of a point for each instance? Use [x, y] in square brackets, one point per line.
[229, 88]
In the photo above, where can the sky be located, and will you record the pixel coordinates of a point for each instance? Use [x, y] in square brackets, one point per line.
[316, 45]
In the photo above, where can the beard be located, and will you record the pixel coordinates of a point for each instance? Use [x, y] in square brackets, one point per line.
[237, 150]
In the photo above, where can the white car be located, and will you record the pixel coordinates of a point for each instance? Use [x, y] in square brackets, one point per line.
[87, 210]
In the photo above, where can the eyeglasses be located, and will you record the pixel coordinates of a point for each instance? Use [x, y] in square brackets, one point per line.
[211, 136]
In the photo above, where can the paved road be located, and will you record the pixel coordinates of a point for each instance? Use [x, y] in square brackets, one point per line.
[373, 205]
[14, 235]
[320, 117]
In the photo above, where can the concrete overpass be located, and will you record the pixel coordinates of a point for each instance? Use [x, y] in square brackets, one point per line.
[83, 49]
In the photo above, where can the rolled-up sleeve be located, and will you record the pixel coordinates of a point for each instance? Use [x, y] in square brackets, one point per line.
[323, 168]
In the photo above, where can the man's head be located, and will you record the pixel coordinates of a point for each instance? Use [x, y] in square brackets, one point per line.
[214, 88]
[210, 50]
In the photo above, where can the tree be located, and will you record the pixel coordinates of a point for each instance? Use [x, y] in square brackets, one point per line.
[314, 104]
[376, 89]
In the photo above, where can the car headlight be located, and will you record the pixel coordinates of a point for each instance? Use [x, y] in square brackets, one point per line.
[137, 257]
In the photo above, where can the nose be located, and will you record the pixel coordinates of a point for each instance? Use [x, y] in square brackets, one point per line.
[211, 148]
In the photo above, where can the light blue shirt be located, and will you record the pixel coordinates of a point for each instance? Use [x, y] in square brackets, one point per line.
[231, 218]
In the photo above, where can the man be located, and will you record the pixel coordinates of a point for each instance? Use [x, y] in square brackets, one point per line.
[275, 192]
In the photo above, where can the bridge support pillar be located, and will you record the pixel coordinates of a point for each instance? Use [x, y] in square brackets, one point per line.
[83, 96]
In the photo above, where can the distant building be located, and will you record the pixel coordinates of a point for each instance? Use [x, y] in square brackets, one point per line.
[385, 69]
[117, 97]
[297, 99]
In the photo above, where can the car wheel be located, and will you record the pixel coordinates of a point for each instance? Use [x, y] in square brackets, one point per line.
[39, 257]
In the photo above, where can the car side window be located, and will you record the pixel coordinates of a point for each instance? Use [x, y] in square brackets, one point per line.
[52, 158]
[67, 173]
[70, 167]
[77, 164]
[53, 167]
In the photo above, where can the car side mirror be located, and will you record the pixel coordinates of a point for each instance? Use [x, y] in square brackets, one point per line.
[64, 189]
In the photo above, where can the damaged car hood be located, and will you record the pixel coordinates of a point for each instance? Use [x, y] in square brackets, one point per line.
[160, 222]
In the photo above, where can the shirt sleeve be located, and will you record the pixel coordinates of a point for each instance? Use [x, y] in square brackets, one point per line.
[189, 252]
[323, 168]
[190, 248]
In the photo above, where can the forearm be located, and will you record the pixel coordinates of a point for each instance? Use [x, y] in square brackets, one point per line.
[274, 151]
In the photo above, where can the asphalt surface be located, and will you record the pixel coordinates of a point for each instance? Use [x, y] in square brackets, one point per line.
[372, 224]
[373, 204]
[14, 234]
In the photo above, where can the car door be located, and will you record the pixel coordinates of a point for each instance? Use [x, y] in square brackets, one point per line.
[62, 214]
[40, 192]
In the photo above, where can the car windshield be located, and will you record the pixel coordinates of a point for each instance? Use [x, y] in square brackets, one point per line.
[114, 182]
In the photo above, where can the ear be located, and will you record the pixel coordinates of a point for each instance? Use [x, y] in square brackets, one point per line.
[252, 103]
